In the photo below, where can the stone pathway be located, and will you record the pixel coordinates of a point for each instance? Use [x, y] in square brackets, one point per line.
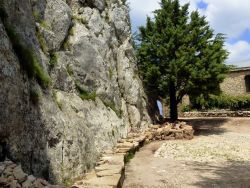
[109, 170]
[219, 156]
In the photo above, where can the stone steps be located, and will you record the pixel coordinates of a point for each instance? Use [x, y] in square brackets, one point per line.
[110, 169]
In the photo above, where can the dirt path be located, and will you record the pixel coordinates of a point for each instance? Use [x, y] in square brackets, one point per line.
[219, 156]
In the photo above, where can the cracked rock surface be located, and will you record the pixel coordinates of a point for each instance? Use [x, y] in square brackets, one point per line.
[94, 97]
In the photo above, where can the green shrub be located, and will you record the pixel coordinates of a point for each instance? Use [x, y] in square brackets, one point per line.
[130, 155]
[186, 108]
[224, 101]
[85, 95]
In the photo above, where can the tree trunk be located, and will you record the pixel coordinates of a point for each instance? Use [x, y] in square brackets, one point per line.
[173, 103]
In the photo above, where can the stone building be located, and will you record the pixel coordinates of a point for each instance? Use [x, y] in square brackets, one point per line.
[237, 82]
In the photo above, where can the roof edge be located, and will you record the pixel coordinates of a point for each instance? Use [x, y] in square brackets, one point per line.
[238, 69]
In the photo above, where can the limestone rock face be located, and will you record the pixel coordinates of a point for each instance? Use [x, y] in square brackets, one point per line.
[57, 20]
[94, 96]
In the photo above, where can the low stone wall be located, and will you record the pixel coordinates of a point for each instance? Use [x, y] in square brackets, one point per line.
[170, 132]
[110, 169]
[12, 176]
[217, 114]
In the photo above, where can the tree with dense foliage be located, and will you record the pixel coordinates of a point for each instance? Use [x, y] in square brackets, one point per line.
[179, 54]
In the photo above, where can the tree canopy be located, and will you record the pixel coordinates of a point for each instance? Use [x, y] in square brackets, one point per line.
[179, 54]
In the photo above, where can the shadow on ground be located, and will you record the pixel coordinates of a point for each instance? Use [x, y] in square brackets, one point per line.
[230, 175]
[147, 171]
[208, 126]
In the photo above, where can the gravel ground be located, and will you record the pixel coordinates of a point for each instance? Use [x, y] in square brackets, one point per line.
[213, 148]
[219, 156]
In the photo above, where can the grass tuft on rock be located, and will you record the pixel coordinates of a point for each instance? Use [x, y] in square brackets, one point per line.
[112, 106]
[45, 25]
[57, 100]
[66, 45]
[130, 155]
[27, 57]
[42, 41]
[110, 73]
[53, 60]
[69, 70]
[85, 95]
[36, 15]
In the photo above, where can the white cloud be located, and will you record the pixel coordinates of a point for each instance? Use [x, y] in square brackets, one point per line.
[144, 7]
[232, 18]
[229, 16]
[239, 53]
[192, 4]
[140, 9]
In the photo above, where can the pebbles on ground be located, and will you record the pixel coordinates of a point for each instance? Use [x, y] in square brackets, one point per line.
[212, 148]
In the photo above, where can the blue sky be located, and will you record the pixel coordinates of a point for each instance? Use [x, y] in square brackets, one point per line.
[231, 17]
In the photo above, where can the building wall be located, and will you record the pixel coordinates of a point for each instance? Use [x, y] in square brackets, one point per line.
[235, 84]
